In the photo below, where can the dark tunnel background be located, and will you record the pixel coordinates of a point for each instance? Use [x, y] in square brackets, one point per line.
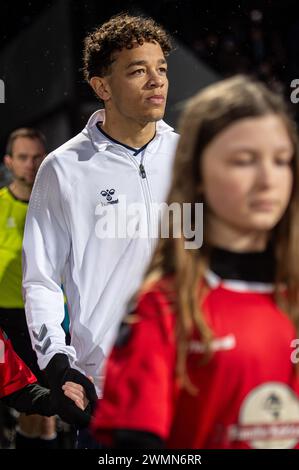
[41, 54]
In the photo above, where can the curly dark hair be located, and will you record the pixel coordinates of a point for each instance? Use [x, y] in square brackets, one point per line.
[117, 33]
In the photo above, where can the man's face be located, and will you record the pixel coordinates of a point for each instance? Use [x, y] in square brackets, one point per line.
[137, 85]
[27, 155]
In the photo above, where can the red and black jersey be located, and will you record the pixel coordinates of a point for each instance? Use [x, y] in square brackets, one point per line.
[14, 374]
[247, 393]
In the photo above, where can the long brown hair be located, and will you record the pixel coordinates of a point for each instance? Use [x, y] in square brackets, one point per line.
[206, 115]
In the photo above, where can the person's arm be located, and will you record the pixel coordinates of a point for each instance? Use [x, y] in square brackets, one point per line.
[46, 248]
[31, 399]
[34, 399]
[58, 373]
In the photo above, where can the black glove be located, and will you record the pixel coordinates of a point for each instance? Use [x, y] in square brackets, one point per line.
[58, 371]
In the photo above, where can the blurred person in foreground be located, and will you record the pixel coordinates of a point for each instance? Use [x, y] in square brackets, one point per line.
[207, 358]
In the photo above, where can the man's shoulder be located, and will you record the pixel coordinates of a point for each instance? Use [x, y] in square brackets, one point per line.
[174, 137]
[171, 135]
[166, 130]
[167, 133]
[77, 146]
[168, 143]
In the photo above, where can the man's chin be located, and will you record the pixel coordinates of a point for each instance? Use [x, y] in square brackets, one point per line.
[154, 116]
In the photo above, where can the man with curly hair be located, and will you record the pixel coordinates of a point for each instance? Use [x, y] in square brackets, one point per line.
[124, 153]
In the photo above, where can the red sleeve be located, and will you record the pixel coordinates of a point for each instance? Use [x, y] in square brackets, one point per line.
[14, 374]
[138, 390]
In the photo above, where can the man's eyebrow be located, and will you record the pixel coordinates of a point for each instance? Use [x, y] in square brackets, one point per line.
[143, 62]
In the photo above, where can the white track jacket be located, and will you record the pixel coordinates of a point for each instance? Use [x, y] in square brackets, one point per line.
[64, 242]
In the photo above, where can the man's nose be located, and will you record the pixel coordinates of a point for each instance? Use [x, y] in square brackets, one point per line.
[30, 164]
[156, 80]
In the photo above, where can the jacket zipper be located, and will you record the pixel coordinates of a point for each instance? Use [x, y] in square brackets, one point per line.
[142, 170]
[147, 197]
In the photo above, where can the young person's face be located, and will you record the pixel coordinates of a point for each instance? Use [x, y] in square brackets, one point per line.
[27, 155]
[137, 86]
[247, 176]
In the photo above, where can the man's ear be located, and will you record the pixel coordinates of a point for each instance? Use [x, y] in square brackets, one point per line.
[101, 88]
[7, 161]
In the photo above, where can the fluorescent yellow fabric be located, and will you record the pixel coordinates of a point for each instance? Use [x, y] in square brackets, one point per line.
[12, 221]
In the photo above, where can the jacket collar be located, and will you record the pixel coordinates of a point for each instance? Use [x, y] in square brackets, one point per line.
[101, 142]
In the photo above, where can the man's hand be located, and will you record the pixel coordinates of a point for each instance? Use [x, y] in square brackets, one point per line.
[58, 373]
[76, 393]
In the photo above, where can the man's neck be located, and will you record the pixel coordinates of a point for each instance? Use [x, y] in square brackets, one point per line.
[130, 133]
[20, 191]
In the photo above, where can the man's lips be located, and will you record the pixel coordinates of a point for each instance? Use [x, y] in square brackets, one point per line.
[156, 99]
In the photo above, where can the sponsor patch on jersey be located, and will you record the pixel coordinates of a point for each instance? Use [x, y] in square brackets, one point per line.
[268, 418]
